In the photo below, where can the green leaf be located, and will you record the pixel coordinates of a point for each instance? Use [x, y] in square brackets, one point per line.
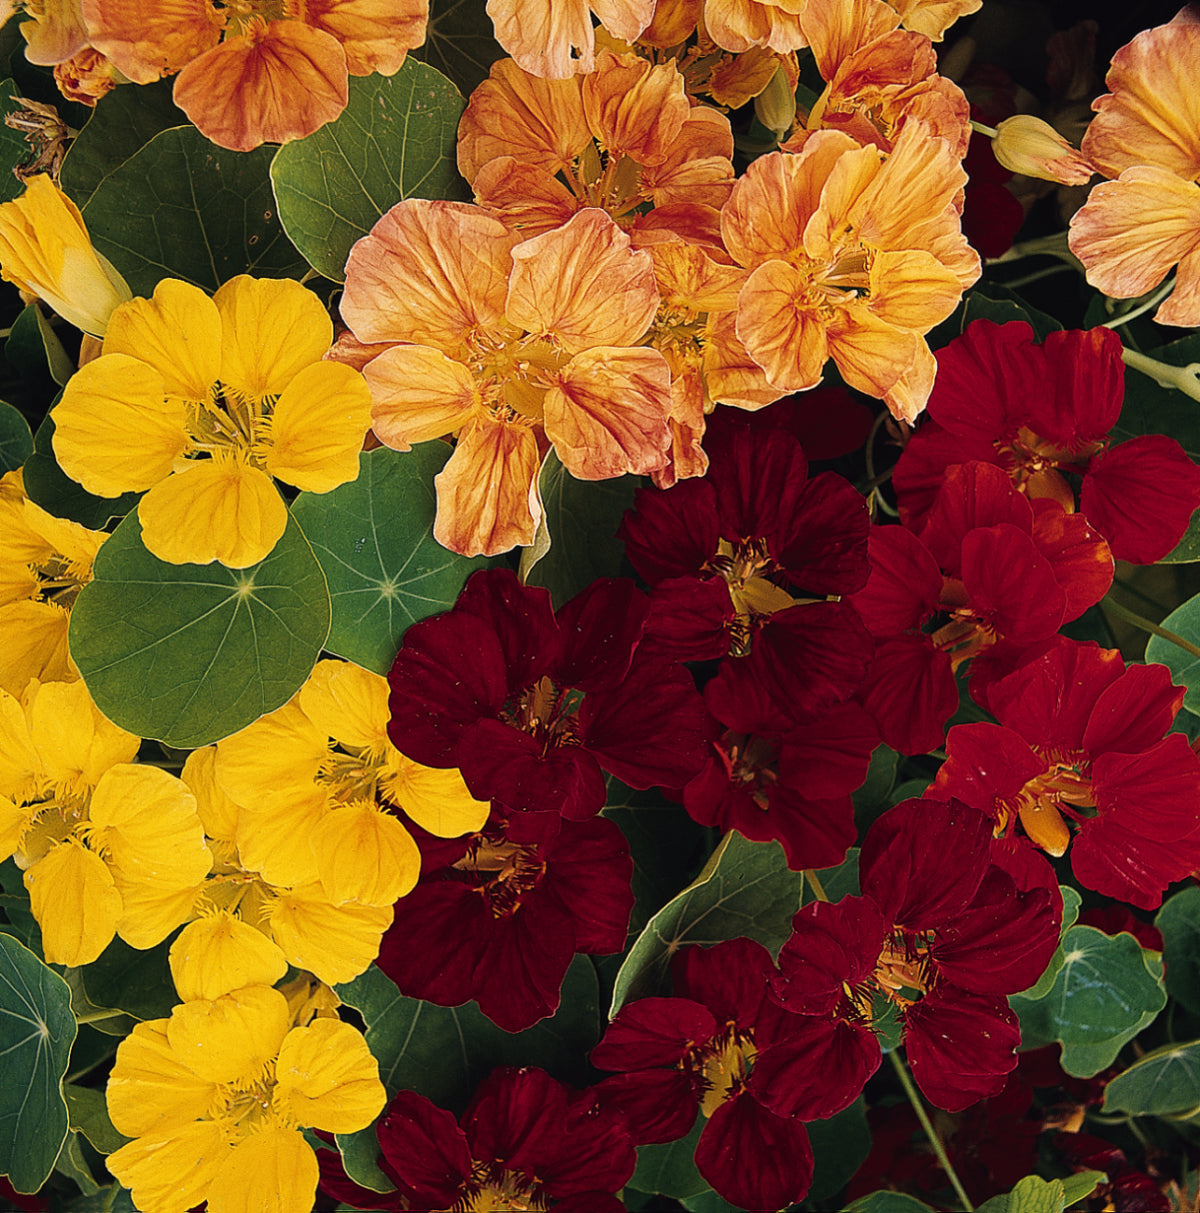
[395, 140]
[1151, 409]
[669, 1168]
[14, 901]
[888, 1202]
[745, 889]
[1071, 904]
[36, 1033]
[87, 1110]
[33, 349]
[182, 207]
[1106, 992]
[444, 1052]
[113, 1199]
[16, 438]
[136, 982]
[122, 123]
[374, 540]
[581, 519]
[459, 42]
[1031, 1195]
[73, 1165]
[840, 1146]
[1165, 1082]
[997, 303]
[49, 486]
[14, 150]
[1187, 550]
[1184, 621]
[190, 653]
[874, 796]
[1081, 1185]
[708, 1202]
[1179, 922]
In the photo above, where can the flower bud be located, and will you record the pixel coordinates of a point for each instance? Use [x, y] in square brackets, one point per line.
[776, 104]
[1028, 145]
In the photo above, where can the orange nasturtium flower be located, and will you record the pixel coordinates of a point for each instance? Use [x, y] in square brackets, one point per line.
[215, 1097]
[257, 71]
[862, 255]
[554, 39]
[511, 346]
[740, 25]
[202, 401]
[92, 829]
[44, 562]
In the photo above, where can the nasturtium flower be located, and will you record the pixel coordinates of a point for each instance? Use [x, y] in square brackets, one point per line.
[45, 250]
[203, 402]
[555, 39]
[91, 828]
[215, 1097]
[44, 562]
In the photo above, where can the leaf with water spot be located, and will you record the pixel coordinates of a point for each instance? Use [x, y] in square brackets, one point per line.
[37, 1030]
[190, 653]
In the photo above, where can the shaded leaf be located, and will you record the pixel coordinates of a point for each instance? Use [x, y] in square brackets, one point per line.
[840, 1146]
[459, 42]
[1187, 550]
[745, 889]
[33, 349]
[875, 794]
[1152, 409]
[1179, 922]
[73, 1165]
[669, 1168]
[1030, 1195]
[374, 540]
[36, 1033]
[88, 1112]
[1071, 904]
[1184, 621]
[136, 982]
[181, 207]
[1162, 1083]
[394, 140]
[16, 438]
[888, 1202]
[190, 653]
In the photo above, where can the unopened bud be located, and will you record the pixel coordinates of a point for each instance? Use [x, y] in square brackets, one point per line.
[776, 104]
[1028, 145]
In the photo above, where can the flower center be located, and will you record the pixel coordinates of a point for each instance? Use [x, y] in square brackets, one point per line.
[547, 712]
[723, 1065]
[503, 872]
[750, 763]
[501, 1191]
[1042, 803]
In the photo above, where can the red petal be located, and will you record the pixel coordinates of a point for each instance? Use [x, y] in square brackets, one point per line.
[924, 462]
[652, 1033]
[985, 765]
[729, 978]
[671, 532]
[905, 583]
[1010, 584]
[911, 693]
[1134, 712]
[424, 1151]
[1082, 561]
[1086, 386]
[601, 627]
[973, 495]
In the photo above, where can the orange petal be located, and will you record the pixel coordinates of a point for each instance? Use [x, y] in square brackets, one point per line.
[548, 38]
[148, 39]
[781, 327]
[607, 413]
[525, 197]
[934, 17]
[375, 34]
[697, 166]
[837, 28]
[738, 25]
[418, 394]
[912, 290]
[487, 493]
[871, 355]
[731, 376]
[634, 108]
[282, 83]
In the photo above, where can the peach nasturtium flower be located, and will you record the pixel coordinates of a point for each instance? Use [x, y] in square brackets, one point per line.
[853, 256]
[554, 39]
[741, 25]
[201, 402]
[512, 347]
[257, 71]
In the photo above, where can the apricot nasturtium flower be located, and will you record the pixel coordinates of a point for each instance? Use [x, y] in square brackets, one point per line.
[44, 562]
[215, 1098]
[89, 826]
[740, 25]
[515, 347]
[46, 251]
[554, 39]
[862, 256]
[202, 401]
[257, 71]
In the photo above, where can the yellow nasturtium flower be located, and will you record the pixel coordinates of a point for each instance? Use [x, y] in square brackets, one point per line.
[216, 1095]
[46, 251]
[203, 402]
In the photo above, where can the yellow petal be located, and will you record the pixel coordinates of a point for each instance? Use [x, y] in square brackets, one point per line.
[365, 855]
[115, 429]
[274, 1171]
[76, 903]
[213, 509]
[437, 800]
[348, 703]
[217, 812]
[275, 839]
[272, 328]
[335, 943]
[232, 1038]
[326, 1078]
[20, 763]
[218, 954]
[75, 741]
[152, 910]
[35, 645]
[172, 1173]
[317, 427]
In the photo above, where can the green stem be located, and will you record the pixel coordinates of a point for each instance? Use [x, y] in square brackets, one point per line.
[1183, 378]
[989, 131]
[1140, 621]
[934, 1140]
[815, 884]
[1154, 300]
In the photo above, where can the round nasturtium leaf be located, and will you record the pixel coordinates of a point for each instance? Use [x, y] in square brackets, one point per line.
[374, 539]
[190, 653]
[16, 440]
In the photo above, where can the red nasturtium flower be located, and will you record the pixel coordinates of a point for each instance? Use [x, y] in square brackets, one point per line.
[499, 916]
[1080, 759]
[1043, 412]
[533, 706]
[695, 1050]
[939, 943]
[748, 564]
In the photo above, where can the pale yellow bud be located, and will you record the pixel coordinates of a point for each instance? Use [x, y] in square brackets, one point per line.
[775, 106]
[1028, 145]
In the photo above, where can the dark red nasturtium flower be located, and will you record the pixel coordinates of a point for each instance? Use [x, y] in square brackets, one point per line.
[942, 934]
[749, 565]
[1082, 758]
[504, 918]
[694, 1051]
[533, 707]
[1042, 413]
[527, 1141]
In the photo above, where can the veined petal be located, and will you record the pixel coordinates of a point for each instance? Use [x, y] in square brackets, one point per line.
[365, 855]
[272, 1171]
[912, 289]
[418, 394]
[781, 328]
[327, 1078]
[317, 427]
[334, 943]
[550, 38]
[283, 83]
[607, 413]
[487, 493]
[739, 25]
[75, 902]
[436, 799]
[375, 34]
[348, 703]
[173, 1172]
[35, 645]
[148, 39]
[871, 354]
[151, 1090]
[634, 108]
[115, 428]
[76, 743]
[271, 330]
[217, 812]
[177, 332]
[218, 954]
[213, 509]
[583, 285]
[145, 820]
[232, 1038]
